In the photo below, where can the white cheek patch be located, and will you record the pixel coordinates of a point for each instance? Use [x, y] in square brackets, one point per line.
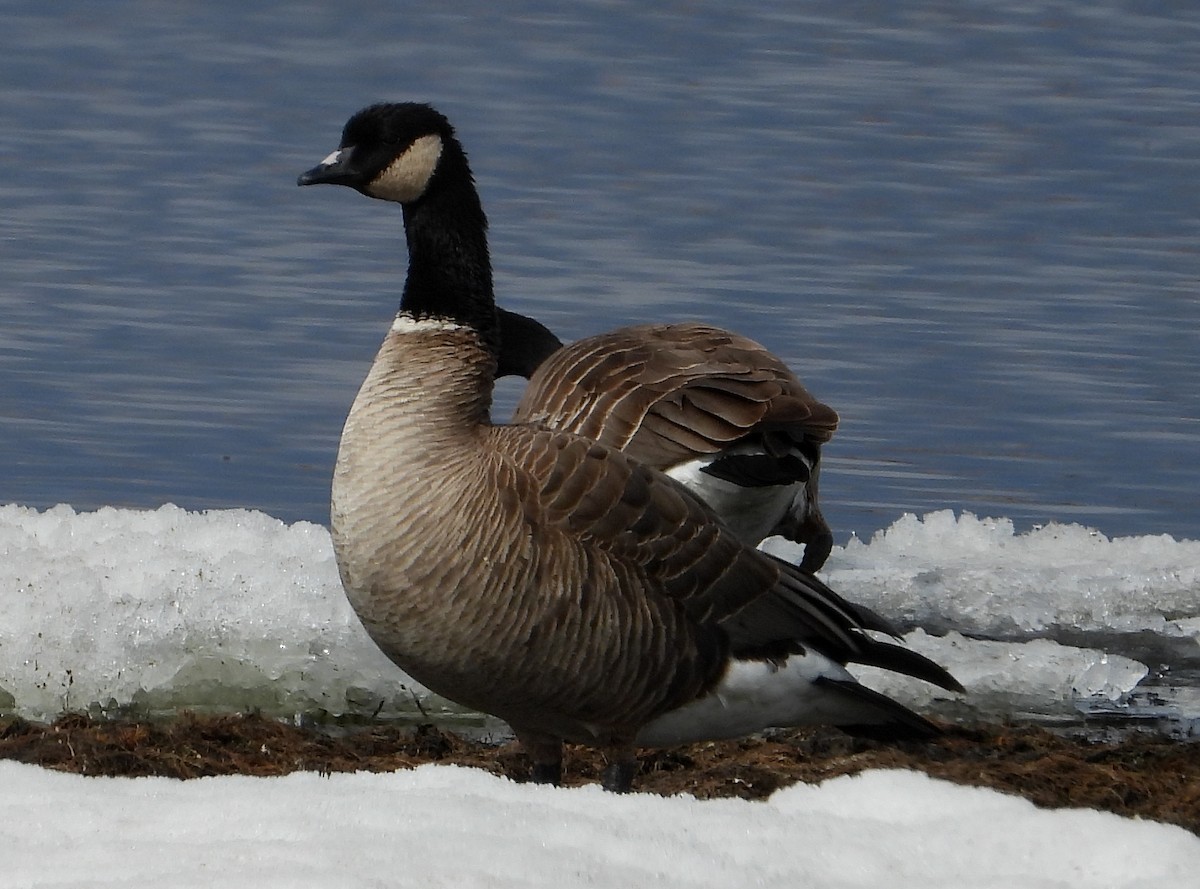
[332, 159]
[407, 177]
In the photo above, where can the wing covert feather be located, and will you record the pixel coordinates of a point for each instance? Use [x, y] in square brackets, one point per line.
[650, 527]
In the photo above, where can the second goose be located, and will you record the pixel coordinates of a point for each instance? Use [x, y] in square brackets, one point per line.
[712, 409]
[538, 575]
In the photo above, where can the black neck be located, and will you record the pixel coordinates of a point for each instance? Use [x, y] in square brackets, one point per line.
[524, 344]
[449, 270]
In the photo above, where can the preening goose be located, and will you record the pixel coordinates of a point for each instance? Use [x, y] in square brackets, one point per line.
[538, 575]
[714, 410]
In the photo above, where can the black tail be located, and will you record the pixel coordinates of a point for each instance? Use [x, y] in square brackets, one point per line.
[891, 722]
[904, 660]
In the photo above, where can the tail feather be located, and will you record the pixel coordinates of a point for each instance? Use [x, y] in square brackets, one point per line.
[758, 470]
[884, 719]
[904, 660]
[803, 689]
[859, 615]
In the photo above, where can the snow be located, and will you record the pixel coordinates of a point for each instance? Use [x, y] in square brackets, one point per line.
[161, 610]
[448, 826]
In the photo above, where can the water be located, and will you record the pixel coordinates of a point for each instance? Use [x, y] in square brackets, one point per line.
[970, 227]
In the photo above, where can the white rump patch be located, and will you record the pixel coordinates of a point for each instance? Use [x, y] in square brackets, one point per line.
[406, 323]
[406, 178]
[757, 695]
[750, 513]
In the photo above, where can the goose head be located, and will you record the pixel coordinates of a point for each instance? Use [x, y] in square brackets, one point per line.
[407, 153]
[396, 151]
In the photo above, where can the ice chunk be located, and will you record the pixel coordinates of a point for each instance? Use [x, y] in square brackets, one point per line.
[165, 609]
[230, 610]
[979, 576]
[1036, 677]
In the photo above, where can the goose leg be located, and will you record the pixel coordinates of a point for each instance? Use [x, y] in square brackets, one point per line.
[545, 751]
[622, 767]
[546, 773]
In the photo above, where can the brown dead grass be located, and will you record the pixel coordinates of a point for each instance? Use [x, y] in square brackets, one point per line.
[1150, 777]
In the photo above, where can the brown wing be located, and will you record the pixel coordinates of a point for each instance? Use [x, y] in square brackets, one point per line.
[670, 547]
[646, 594]
[666, 393]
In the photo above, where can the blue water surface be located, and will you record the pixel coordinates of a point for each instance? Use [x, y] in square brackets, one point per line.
[970, 227]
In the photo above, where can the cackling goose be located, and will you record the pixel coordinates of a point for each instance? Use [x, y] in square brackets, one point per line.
[538, 575]
[714, 410]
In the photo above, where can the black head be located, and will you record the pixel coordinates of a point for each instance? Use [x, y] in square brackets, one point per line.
[392, 151]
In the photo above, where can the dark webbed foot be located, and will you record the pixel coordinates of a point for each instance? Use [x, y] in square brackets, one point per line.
[618, 775]
[546, 753]
[546, 773]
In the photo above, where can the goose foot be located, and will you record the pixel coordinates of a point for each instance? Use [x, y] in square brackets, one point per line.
[546, 753]
[618, 775]
[546, 773]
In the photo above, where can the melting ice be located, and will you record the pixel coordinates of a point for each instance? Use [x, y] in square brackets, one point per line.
[153, 611]
[164, 610]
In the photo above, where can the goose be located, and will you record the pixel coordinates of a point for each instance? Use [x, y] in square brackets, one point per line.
[714, 410]
[538, 575]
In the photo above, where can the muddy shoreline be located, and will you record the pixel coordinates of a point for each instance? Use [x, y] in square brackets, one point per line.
[1144, 776]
